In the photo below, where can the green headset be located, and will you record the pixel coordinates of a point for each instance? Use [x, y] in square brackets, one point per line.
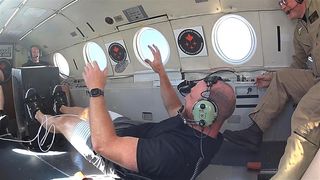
[205, 110]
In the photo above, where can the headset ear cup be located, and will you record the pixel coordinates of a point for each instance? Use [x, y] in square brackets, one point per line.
[204, 112]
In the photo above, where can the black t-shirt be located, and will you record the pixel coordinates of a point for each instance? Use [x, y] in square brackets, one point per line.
[171, 149]
[31, 63]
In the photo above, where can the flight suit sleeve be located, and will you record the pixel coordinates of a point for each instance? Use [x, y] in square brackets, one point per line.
[302, 47]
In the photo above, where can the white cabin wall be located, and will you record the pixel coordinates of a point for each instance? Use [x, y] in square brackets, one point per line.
[117, 37]
[248, 5]
[212, 61]
[166, 30]
[269, 21]
[130, 100]
[75, 53]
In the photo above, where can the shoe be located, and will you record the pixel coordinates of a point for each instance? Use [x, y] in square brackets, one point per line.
[59, 99]
[2, 117]
[3, 123]
[250, 138]
[32, 102]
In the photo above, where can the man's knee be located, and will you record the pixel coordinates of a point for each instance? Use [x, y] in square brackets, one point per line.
[283, 75]
[65, 122]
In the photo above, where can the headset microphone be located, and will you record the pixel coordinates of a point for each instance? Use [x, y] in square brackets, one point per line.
[185, 121]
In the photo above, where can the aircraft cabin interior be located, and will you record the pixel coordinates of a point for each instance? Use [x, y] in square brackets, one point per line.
[236, 40]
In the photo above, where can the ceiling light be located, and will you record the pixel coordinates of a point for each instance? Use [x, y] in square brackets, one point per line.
[26, 34]
[68, 5]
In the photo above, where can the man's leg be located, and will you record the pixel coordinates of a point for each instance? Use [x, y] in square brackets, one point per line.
[304, 141]
[83, 113]
[286, 84]
[3, 116]
[60, 97]
[76, 131]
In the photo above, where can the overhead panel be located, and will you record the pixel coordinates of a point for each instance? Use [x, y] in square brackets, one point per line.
[55, 34]
[229, 6]
[31, 14]
[25, 19]
[134, 14]
[94, 24]
[47, 4]
[7, 8]
[180, 8]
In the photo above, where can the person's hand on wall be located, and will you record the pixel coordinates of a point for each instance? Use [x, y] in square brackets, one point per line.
[264, 80]
[94, 77]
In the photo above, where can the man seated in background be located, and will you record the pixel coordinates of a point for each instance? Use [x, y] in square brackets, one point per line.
[34, 57]
[179, 147]
[3, 122]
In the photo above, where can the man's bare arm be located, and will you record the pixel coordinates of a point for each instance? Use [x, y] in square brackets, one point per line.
[169, 96]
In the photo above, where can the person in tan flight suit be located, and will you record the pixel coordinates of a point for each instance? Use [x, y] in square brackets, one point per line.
[300, 83]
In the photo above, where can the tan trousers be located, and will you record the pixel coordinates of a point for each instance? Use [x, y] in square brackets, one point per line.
[302, 87]
[304, 141]
[285, 84]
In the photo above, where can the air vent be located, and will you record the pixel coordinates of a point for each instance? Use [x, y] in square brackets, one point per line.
[200, 1]
[80, 32]
[109, 20]
[75, 64]
[118, 18]
[135, 14]
[147, 116]
[73, 34]
[90, 27]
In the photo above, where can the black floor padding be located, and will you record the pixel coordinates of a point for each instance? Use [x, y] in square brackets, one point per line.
[233, 155]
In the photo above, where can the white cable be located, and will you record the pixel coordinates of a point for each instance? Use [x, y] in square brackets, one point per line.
[42, 140]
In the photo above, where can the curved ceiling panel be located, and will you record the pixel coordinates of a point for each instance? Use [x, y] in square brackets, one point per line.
[58, 33]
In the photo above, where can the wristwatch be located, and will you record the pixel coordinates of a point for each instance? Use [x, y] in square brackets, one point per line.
[96, 92]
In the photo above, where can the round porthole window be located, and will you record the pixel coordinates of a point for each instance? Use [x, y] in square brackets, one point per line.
[234, 39]
[149, 36]
[60, 61]
[93, 52]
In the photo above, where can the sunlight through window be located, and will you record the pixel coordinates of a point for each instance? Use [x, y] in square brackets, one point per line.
[149, 36]
[60, 61]
[93, 52]
[234, 39]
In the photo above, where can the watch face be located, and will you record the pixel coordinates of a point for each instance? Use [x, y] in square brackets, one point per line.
[96, 92]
